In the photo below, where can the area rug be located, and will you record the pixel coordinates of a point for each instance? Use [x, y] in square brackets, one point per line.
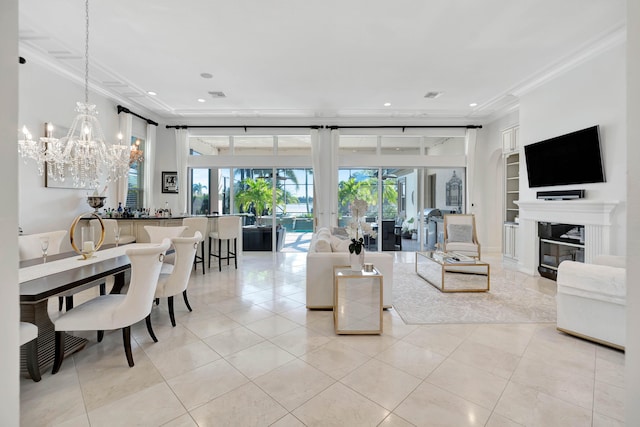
[510, 300]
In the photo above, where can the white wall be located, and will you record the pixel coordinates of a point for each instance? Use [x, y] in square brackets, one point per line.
[632, 377]
[489, 188]
[10, 314]
[591, 94]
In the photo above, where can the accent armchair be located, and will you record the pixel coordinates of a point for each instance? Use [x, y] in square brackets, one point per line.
[460, 235]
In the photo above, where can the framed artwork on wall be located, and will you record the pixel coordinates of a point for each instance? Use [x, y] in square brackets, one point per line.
[169, 182]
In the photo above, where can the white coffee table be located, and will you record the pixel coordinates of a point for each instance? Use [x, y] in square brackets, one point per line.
[452, 272]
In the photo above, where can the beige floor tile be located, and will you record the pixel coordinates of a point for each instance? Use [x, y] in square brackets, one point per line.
[79, 421]
[512, 338]
[52, 400]
[600, 420]
[435, 339]
[168, 338]
[249, 314]
[393, 420]
[383, 384]
[371, 345]
[335, 359]
[468, 382]
[340, 406]
[288, 421]
[182, 421]
[488, 358]
[610, 369]
[272, 326]
[301, 340]
[150, 407]
[429, 405]
[259, 359]
[280, 304]
[205, 383]
[183, 359]
[244, 406]
[293, 384]
[233, 340]
[211, 326]
[544, 375]
[530, 407]
[497, 420]
[609, 400]
[415, 361]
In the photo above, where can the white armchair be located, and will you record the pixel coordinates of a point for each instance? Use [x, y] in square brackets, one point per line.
[591, 300]
[460, 235]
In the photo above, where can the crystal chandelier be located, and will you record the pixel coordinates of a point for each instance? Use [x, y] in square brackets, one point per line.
[83, 153]
[136, 155]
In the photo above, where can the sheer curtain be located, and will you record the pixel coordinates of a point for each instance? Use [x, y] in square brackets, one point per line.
[182, 155]
[325, 173]
[122, 184]
[149, 165]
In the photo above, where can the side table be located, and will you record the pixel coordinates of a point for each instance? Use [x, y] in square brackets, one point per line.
[357, 301]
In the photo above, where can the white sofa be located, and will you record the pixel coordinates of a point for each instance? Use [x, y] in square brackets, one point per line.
[591, 300]
[327, 251]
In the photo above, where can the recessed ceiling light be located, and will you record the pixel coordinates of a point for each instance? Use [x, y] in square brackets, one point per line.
[473, 104]
[201, 100]
[206, 75]
[387, 104]
[152, 93]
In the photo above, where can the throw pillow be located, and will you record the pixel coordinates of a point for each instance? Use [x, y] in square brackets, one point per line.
[339, 245]
[459, 233]
[323, 244]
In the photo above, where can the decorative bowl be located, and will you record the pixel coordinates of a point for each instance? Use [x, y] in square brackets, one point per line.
[96, 202]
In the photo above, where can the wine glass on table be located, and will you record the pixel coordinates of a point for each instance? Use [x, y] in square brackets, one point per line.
[44, 245]
[116, 232]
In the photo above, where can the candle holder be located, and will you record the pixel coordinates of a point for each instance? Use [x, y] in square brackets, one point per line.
[88, 247]
[96, 202]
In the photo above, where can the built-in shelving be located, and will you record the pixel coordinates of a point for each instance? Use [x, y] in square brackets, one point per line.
[511, 158]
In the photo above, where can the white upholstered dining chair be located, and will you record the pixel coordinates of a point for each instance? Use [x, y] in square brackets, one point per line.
[197, 224]
[157, 234]
[175, 283]
[110, 229]
[116, 311]
[460, 235]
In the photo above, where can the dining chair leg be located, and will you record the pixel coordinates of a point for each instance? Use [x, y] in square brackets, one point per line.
[219, 255]
[186, 301]
[69, 302]
[228, 251]
[59, 352]
[60, 303]
[150, 328]
[157, 301]
[31, 349]
[202, 259]
[103, 288]
[100, 336]
[126, 338]
[171, 313]
[210, 252]
[235, 252]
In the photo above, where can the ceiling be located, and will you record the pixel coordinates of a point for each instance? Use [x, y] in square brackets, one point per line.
[318, 59]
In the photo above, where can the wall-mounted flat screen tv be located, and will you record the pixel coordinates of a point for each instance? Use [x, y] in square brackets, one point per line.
[574, 158]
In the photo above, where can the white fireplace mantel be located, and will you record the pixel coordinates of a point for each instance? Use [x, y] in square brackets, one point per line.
[596, 216]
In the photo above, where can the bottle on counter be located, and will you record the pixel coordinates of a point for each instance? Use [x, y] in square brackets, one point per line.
[120, 209]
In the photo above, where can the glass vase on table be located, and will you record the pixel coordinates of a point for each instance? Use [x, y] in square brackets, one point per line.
[116, 235]
[44, 245]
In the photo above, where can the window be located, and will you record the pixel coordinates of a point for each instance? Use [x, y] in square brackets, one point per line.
[135, 188]
[200, 187]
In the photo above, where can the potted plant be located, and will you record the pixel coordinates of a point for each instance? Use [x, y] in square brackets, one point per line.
[407, 228]
[256, 193]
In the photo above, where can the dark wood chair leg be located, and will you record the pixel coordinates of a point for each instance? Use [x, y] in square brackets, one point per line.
[219, 255]
[202, 259]
[228, 251]
[235, 252]
[60, 303]
[210, 252]
[69, 302]
[103, 288]
[172, 315]
[31, 349]
[100, 336]
[157, 301]
[126, 338]
[186, 301]
[59, 352]
[150, 328]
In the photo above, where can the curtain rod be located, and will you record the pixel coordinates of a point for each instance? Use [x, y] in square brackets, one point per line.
[326, 127]
[122, 109]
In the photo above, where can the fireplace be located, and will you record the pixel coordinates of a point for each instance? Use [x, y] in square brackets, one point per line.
[594, 217]
[557, 243]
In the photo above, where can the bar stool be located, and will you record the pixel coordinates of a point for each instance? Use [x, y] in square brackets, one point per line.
[193, 225]
[228, 229]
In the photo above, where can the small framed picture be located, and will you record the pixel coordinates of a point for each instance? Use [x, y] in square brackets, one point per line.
[169, 182]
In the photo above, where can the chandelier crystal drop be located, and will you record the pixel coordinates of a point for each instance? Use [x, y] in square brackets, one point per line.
[83, 155]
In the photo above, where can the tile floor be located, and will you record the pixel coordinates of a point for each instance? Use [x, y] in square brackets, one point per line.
[251, 354]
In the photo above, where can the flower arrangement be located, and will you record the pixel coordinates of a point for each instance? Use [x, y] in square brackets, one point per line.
[358, 228]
